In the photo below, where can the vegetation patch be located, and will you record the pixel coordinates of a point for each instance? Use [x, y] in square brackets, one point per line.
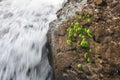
[78, 34]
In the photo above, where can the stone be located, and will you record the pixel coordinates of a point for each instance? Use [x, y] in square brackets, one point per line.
[61, 33]
[98, 2]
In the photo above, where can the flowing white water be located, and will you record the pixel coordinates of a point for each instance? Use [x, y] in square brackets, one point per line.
[23, 28]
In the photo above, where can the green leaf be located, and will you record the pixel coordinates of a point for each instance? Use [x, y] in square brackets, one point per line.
[86, 55]
[79, 66]
[77, 24]
[70, 32]
[75, 35]
[90, 50]
[89, 61]
[89, 20]
[84, 43]
[89, 33]
[69, 42]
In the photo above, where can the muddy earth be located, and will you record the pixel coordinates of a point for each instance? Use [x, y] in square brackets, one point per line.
[105, 45]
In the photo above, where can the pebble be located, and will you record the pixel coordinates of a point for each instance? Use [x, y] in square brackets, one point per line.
[61, 33]
[98, 1]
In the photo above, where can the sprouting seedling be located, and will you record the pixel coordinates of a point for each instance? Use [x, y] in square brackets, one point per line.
[76, 26]
[89, 61]
[76, 16]
[82, 30]
[74, 51]
[90, 50]
[80, 17]
[85, 15]
[69, 42]
[81, 36]
[72, 23]
[84, 43]
[78, 43]
[75, 35]
[79, 28]
[79, 66]
[70, 32]
[89, 19]
[89, 33]
[86, 55]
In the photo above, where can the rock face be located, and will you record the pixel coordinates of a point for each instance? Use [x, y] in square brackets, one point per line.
[63, 15]
[105, 43]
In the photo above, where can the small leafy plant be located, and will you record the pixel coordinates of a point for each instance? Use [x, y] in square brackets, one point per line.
[70, 32]
[89, 33]
[81, 33]
[79, 66]
[89, 61]
[69, 42]
[84, 43]
[86, 55]
[90, 50]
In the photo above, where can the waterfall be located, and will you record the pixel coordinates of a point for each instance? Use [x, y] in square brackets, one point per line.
[23, 28]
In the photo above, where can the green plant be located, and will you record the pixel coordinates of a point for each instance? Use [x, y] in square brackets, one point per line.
[74, 52]
[89, 33]
[69, 42]
[90, 50]
[75, 35]
[86, 55]
[84, 43]
[76, 26]
[79, 66]
[78, 43]
[82, 30]
[89, 19]
[89, 61]
[85, 15]
[80, 34]
[70, 32]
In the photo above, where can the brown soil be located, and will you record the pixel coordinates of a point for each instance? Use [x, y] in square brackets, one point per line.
[105, 45]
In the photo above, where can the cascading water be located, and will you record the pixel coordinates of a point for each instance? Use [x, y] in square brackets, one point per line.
[23, 28]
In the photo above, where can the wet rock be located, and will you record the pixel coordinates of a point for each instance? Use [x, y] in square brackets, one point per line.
[105, 44]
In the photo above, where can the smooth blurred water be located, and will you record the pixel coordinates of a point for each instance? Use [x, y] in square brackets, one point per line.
[23, 28]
